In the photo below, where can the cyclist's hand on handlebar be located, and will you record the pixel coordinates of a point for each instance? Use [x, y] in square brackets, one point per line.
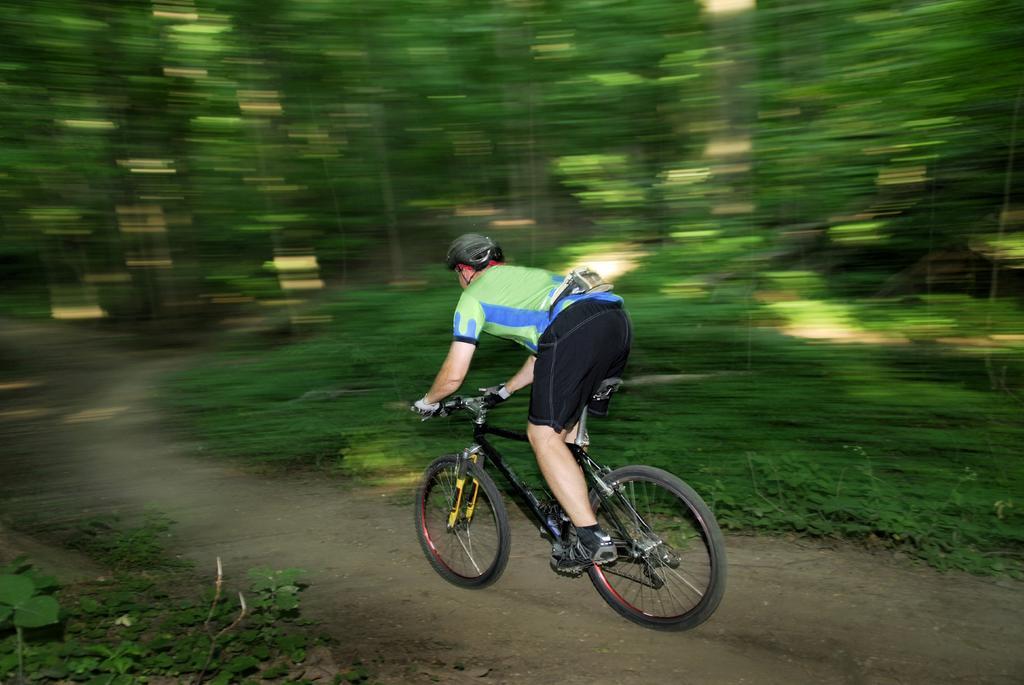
[495, 395]
[425, 409]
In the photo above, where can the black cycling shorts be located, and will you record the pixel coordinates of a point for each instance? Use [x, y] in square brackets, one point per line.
[585, 344]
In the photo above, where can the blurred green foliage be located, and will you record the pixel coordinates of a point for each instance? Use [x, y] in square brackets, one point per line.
[155, 156]
[823, 198]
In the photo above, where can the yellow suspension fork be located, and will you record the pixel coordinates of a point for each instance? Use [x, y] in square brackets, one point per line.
[472, 502]
[460, 490]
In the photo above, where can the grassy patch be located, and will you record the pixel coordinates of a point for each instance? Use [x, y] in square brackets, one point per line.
[905, 446]
[338, 401]
[125, 548]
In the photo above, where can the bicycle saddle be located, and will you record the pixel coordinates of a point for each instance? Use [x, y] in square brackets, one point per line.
[607, 387]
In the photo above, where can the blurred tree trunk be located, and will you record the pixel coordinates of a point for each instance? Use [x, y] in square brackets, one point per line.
[378, 117]
[729, 150]
[527, 169]
[997, 378]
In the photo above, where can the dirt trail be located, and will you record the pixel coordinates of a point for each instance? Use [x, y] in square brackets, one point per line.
[85, 440]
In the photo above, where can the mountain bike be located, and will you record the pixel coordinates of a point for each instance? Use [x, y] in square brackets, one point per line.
[671, 568]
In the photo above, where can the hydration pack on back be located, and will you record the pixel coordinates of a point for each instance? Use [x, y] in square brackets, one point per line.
[579, 282]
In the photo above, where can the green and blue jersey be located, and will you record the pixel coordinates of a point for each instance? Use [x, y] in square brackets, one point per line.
[513, 302]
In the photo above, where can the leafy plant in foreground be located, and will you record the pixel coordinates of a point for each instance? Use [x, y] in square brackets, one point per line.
[25, 602]
[138, 627]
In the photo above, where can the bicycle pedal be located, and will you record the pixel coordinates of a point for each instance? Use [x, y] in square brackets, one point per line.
[606, 555]
[573, 572]
[558, 552]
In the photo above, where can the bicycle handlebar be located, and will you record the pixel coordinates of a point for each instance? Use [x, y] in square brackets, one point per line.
[481, 404]
[476, 405]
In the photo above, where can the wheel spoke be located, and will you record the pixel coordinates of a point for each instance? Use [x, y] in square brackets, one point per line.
[697, 591]
[469, 554]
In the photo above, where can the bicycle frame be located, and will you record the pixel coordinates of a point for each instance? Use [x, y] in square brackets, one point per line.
[482, 447]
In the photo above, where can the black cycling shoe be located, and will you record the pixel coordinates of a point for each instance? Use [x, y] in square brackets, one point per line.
[599, 544]
[571, 560]
[575, 557]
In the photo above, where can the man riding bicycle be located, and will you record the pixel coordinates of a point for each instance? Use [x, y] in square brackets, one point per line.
[577, 334]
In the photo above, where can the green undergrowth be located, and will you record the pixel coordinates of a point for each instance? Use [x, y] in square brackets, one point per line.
[152, 621]
[903, 446]
[125, 547]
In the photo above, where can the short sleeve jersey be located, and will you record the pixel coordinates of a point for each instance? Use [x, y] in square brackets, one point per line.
[512, 302]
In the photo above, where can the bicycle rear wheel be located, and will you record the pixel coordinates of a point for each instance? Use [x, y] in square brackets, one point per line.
[473, 552]
[670, 574]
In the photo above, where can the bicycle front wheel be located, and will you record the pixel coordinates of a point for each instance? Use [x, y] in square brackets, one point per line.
[670, 574]
[465, 537]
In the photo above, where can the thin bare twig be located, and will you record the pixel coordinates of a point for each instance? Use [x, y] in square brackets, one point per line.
[215, 637]
[216, 595]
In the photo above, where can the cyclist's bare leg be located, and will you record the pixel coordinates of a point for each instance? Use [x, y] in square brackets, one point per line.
[570, 435]
[562, 473]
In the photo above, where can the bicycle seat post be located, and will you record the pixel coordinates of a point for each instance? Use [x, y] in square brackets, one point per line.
[582, 437]
[604, 391]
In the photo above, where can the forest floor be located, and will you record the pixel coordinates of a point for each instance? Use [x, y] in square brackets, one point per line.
[82, 438]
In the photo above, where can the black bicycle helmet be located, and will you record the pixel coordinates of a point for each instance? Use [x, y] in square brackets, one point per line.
[474, 250]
